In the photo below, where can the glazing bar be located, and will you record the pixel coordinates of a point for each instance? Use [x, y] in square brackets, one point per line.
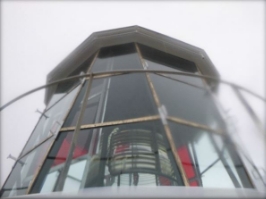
[166, 127]
[121, 72]
[195, 125]
[118, 122]
[63, 174]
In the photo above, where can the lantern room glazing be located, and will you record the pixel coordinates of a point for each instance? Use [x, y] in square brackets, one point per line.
[143, 116]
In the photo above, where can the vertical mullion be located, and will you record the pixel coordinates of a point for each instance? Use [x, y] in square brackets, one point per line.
[52, 144]
[63, 175]
[102, 138]
[226, 166]
[196, 164]
[155, 150]
[98, 119]
[166, 127]
[214, 98]
[50, 147]
[91, 65]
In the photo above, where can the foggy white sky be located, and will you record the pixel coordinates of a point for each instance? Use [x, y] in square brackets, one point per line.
[36, 36]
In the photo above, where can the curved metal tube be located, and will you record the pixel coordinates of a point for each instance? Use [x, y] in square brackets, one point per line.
[121, 72]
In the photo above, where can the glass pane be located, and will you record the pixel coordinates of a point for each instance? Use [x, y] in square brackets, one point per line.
[53, 165]
[86, 146]
[250, 141]
[83, 68]
[257, 106]
[115, 98]
[192, 81]
[58, 96]
[91, 110]
[51, 120]
[124, 97]
[209, 160]
[132, 155]
[55, 99]
[23, 172]
[121, 57]
[74, 176]
[125, 155]
[73, 115]
[166, 61]
[187, 102]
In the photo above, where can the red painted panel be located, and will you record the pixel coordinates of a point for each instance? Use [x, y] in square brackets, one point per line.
[187, 163]
[63, 152]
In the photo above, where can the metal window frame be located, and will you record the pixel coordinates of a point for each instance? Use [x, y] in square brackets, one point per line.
[111, 123]
[52, 134]
[145, 119]
[121, 72]
[39, 144]
[166, 127]
[52, 143]
[63, 174]
[234, 145]
[67, 113]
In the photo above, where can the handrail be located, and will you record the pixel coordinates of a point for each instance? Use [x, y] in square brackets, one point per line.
[121, 72]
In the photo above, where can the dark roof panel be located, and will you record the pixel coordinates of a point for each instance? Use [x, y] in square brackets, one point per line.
[125, 35]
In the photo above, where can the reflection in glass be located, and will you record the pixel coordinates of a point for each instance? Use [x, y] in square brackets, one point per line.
[187, 80]
[58, 96]
[250, 141]
[120, 57]
[125, 155]
[51, 120]
[23, 172]
[187, 102]
[74, 113]
[206, 162]
[54, 164]
[132, 155]
[83, 68]
[114, 98]
[128, 96]
[166, 61]
[92, 109]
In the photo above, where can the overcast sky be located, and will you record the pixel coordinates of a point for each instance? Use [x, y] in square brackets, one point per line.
[36, 36]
